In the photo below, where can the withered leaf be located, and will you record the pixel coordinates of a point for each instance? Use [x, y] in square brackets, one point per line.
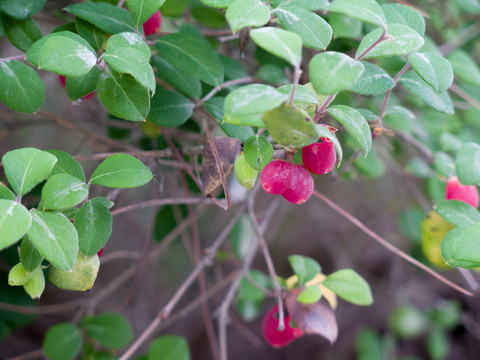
[228, 149]
[317, 318]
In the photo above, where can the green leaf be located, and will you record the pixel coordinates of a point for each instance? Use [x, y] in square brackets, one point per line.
[464, 67]
[218, 3]
[258, 152]
[121, 171]
[21, 9]
[26, 168]
[364, 10]
[80, 278]
[315, 32]
[125, 60]
[252, 99]
[331, 72]
[29, 255]
[244, 173]
[129, 40]
[371, 166]
[349, 286]
[304, 4]
[440, 102]
[169, 108]
[66, 164]
[66, 56]
[22, 89]
[458, 213]
[310, 295]
[303, 94]
[180, 80]
[142, 10]
[63, 191]
[18, 276]
[55, 238]
[15, 220]
[123, 96]
[304, 267]
[94, 226]
[6, 193]
[194, 55]
[443, 163]
[80, 86]
[326, 133]
[110, 18]
[355, 124]
[21, 33]
[461, 246]
[404, 15]
[36, 285]
[169, 347]
[110, 329]
[399, 117]
[345, 27]
[438, 344]
[250, 120]
[91, 33]
[247, 288]
[33, 54]
[373, 81]
[434, 69]
[247, 13]
[467, 164]
[284, 44]
[401, 40]
[242, 236]
[63, 342]
[290, 126]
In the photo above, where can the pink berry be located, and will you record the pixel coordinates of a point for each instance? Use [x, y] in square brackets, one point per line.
[319, 158]
[277, 338]
[101, 251]
[466, 193]
[275, 176]
[153, 24]
[300, 185]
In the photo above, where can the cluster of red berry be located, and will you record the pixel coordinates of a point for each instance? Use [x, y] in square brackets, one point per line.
[294, 181]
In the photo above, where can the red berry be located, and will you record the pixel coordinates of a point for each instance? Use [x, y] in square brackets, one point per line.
[466, 193]
[153, 24]
[275, 176]
[277, 338]
[300, 185]
[319, 158]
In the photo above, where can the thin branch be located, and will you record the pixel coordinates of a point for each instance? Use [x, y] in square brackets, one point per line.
[387, 245]
[465, 36]
[222, 311]
[296, 78]
[41, 309]
[367, 50]
[165, 312]
[223, 86]
[469, 279]
[161, 202]
[389, 92]
[36, 354]
[465, 96]
[268, 260]
[218, 163]
[16, 57]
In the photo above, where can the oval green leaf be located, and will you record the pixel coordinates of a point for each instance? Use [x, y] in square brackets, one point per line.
[373, 81]
[15, 220]
[247, 13]
[121, 171]
[29, 255]
[55, 237]
[304, 267]
[63, 191]
[404, 15]
[461, 246]
[355, 123]
[331, 72]
[349, 286]
[467, 164]
[63, 342]
[464, 67]
[282, 43]
[142, 10]
[169, 347]
[169, 108]
[458, 213]
[364, 10]
[310, 295]
[434, 69]
[258, 152]
[110, 329]
[66, 164]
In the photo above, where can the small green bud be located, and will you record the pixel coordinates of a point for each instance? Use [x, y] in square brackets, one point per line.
[17, 276]
[81, 278]
[245, 174]
[35, 286]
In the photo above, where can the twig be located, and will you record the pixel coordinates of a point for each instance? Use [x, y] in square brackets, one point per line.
[465, 96]
[36, 354]
[223, 86]
[40, 310]
[296, 78]
[16, 57]
[470, 280]
[387, 245]
[367, 50]
[268, 260]
[465, 36]
[222, 311]
[165, 312]
[160, 202]
[218, 163]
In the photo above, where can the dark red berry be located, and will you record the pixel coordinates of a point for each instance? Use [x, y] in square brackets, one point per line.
[153, 24]
[466, 193]
[300, 185]
[275, 176]
[277, 338]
